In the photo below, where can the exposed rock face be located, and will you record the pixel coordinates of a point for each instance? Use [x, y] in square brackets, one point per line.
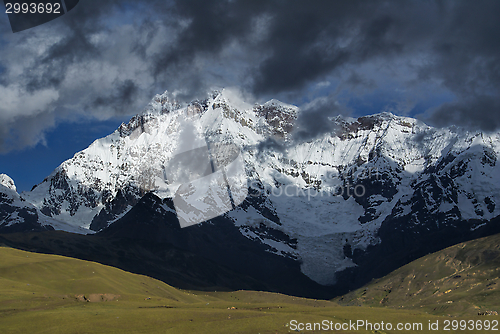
[123, 201]
[16, 215]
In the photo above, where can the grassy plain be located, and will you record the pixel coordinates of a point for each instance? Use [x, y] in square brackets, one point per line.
[42, 293]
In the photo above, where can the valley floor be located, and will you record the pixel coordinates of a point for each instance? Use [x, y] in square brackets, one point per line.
[53, 294]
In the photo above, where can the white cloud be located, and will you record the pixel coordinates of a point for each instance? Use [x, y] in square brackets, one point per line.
[16, 102]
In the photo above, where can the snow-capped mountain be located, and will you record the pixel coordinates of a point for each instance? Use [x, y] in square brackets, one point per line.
[326, 202]
[18, 215]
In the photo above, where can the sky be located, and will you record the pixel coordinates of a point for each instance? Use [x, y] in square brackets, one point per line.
[72, 80]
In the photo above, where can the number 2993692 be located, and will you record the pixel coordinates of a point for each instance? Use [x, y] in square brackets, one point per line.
[32, 8]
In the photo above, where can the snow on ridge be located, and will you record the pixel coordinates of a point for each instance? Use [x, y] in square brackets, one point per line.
[278, 103]
[6, 181]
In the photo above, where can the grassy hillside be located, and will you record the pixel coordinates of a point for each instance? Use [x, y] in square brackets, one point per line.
[179, 267]
[462, 279]
[53, 294]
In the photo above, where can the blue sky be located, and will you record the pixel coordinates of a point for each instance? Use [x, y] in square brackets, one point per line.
[29, 166]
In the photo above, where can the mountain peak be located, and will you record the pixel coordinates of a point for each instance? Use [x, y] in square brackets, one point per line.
[6, 181]
[233, 98]
[163, 103]
[280, 104]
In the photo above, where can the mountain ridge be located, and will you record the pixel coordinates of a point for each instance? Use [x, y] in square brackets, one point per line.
[372, 174]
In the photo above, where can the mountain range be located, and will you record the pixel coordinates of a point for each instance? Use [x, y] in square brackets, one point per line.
[356, 202]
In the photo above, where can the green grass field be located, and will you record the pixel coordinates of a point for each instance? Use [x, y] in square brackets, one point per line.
[53, 294]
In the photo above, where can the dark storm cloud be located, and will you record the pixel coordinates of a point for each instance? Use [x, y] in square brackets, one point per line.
[467, 60]
[458, 39]
[301, 41]
[306, 41]
[120, 98]
[213, 24]
[481, 112]
[269, 144]
[316, 118]
[74, 47]
[355, 80]
[110, 57]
